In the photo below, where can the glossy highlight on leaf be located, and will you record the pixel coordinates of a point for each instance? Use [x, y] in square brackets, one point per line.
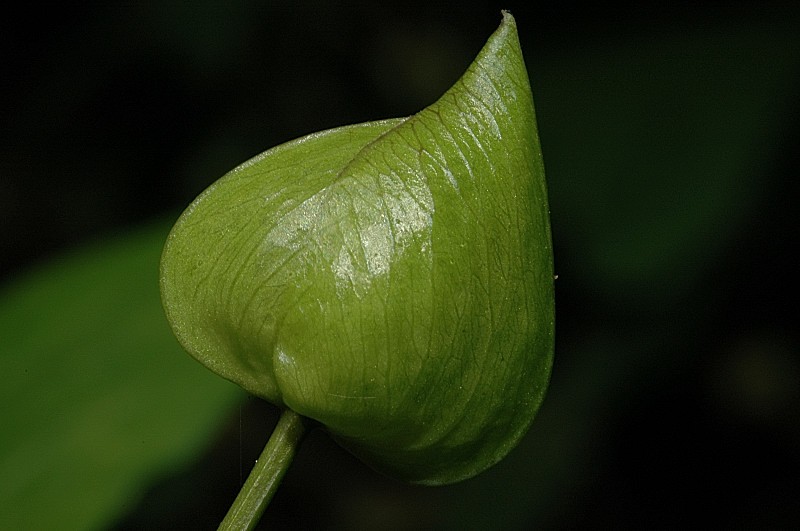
[392, 280]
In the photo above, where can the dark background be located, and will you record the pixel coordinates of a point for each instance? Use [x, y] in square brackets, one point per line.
[670, 135]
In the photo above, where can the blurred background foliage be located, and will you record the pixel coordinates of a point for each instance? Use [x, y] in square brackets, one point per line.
[670, 134]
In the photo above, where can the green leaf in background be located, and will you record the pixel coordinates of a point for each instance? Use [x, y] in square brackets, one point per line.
[98, 398]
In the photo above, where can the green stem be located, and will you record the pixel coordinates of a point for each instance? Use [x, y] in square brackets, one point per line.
[267, 473]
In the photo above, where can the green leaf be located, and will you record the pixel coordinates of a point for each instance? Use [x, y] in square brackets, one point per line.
[392, 280]
[98, 399]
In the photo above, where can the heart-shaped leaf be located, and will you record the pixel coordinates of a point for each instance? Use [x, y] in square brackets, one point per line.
[392, 280]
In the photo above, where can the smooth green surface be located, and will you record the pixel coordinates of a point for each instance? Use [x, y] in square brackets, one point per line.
[266, 476]
[392, 280]
[98, 399]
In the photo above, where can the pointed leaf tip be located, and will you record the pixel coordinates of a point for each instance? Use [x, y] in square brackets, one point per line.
[392, 280]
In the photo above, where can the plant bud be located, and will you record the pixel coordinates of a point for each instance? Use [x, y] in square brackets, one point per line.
[392, 280]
